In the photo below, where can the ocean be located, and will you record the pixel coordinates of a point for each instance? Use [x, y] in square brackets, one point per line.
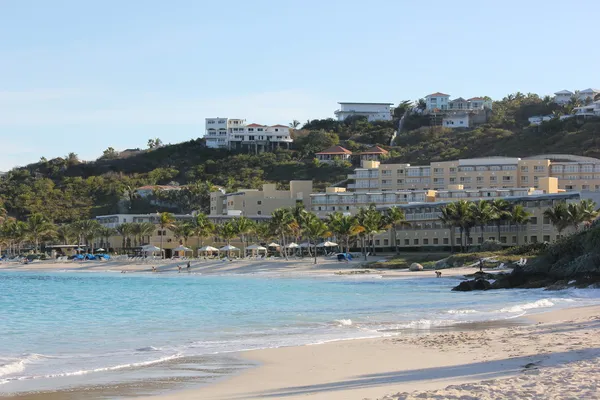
[64, 330]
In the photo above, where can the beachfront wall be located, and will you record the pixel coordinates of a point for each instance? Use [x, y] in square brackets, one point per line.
[427, 231]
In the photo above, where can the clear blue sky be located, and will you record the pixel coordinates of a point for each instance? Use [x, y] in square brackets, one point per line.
[85, 75]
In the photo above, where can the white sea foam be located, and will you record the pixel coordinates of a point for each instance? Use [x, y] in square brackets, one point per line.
[149, 348]
[344, 322]
[104, 369]
[462, 311]
[543, 303]
[16, 365]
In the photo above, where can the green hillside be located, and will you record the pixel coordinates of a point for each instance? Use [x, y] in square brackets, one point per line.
[68, 189]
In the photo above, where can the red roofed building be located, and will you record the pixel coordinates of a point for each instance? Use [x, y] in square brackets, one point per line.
[437, 101]
[334, 153]
[374, 153]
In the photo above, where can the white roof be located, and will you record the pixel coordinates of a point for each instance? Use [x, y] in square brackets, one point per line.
[255, 247]
[208, 248]
[590, 90]
[228, 247]
[292, 245]
[181, 248]
[564, 92]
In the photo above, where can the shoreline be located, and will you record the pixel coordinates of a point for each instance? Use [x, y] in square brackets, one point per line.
[343, 368]
[377, 368]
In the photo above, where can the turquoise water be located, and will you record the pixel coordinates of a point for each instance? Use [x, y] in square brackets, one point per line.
[54, 326]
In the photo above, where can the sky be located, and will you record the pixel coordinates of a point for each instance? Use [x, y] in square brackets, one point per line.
[82, 76]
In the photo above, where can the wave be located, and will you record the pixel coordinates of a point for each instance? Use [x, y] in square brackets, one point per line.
[543, 303]
[149, 348]
[462, 311]
[344, 322]
[104, 369]
[16, 365]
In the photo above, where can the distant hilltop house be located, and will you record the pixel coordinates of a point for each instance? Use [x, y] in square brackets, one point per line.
[457, 113]
[591, 110]
[373, 111]
[236, 134]
[340, 153]
[584, 96]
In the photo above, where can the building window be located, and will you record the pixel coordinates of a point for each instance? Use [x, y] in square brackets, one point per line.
[416, 242]
[533, 220]
[425, 241]
[534, 239]
[524, 169]
[445, 240]
[493, 178]
[436, 241]
[259, 212]
[514, 239]
[407, 242]
[386, 242]
[259, 202]
[377, 242]
[546, 238]
[503, 239]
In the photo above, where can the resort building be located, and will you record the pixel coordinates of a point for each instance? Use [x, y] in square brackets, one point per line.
[584, 96]
[334, 153]
[437, 101]
[374, 153]
[440, 102]
[373, 111]
[235, 134]
[574, 173]
[590, 110]
[426, 230]
[254, 202]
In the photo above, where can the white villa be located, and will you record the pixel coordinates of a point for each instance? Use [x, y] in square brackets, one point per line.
[373, 111]
[236, 134]
[441, 101]
[456, 120]
[564, 96]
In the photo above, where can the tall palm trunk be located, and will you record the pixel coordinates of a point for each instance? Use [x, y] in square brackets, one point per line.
[315, 251]
[481, 227]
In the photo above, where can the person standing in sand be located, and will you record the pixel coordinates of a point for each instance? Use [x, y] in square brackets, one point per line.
[189, 266]
[179, 269]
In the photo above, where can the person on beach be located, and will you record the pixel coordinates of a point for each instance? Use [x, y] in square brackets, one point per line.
[189, 266]
[179, 269]
[438, 274]
[481, 265]
[153, 268]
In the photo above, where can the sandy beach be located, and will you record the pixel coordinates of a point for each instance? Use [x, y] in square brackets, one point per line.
[553, 355]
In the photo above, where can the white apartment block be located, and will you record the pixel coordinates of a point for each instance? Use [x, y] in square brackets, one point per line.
[441, 102]
[373, 111]
[236, 134]
[585, 96]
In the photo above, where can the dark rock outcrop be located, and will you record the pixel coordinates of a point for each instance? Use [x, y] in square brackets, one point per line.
[475, 284]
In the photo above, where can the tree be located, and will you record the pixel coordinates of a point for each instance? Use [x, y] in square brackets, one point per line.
[154, 143]
[294, 124]
[344, 227]
[125, 230]
[463, 219]
[87, 230]
[558, 216]
[182, 231]
[110, 154]
[483, 213]
[501, 213]
[65, 234]
[315, 229]
[589, 211]
[165, 221]
[282, 224]
[202, 228]
[395, 217]
[72, 159]
[447, 219]
[104, 233]
[372, 222]
[227, 232]
[518, 216]
[242, 226]
[37, 227]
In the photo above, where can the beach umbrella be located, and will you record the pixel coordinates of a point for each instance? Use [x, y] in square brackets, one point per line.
[208, 248]
[256, 247]
[273, 244]
[100, 249]
[228, 248]
[305, 245]
[182, 248]
[292, 246]
[150, 248]
[327, 244]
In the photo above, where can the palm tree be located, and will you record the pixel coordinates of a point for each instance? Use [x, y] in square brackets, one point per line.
[447, 219]
[182, 231]
[589, 212]
[294, 124]
[263, 231]
[372, 222]
[146, 231]
[519, 216]
[483, 213]
[136, 232]
[558, 216]
[38, 226]
[344, 227]
[501, 212]
[165, 221]
[65, 234]
[243, 226]
[202, 228]
[125, 230]
[395, 217]
[227, 232]
[315, 229]
[462, 219]
[282, 223]
[104, 233]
